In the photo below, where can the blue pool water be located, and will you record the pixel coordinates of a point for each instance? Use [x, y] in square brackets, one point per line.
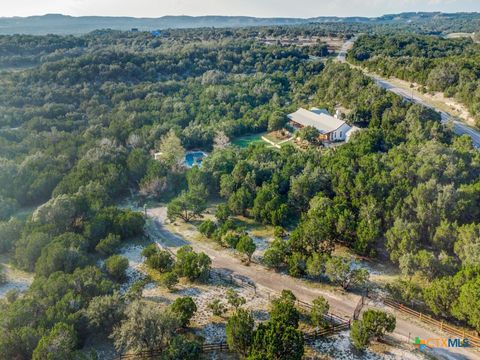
[193, 158]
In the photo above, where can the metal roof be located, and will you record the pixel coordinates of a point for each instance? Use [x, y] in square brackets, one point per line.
[321, 121]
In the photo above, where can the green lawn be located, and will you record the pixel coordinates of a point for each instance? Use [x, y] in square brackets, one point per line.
[244, 141]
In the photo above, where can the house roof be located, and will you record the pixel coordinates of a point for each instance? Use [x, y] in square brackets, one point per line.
[322, 122]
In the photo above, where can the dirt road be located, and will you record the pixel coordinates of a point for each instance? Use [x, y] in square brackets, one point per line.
[266, 280]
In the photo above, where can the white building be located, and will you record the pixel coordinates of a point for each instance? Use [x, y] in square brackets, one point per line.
[331, 128]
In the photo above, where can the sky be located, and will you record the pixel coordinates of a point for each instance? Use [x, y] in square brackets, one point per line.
[258, 8]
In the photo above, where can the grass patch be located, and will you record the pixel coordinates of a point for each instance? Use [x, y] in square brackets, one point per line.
[244, 141]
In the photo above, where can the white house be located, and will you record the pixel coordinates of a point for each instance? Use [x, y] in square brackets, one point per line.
[331, 128]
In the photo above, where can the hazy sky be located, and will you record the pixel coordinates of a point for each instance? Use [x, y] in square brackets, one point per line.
[260, 8]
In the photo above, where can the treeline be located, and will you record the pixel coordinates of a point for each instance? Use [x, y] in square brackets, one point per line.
[446, 65]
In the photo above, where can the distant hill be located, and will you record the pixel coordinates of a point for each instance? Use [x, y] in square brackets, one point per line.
[63, 24]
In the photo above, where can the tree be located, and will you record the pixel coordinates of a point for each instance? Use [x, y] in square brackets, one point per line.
[342, 272]
[59, 344]
[108, 245]
[275, 340]
[283, 310]
[316, 265]
[192, 265]
[276, 121]
[64, 253]
[441, 295]
[188, 206]
[220, 141]
[181, 348]
[171, 149]
[467, 306]
[246, 246]
[184, 308]
[10, 232]
[222, 213]
[318, 312]
[169, 280]
[467, 246]
[116, 266]
[146, 328]
[308, 133]
[296, 264]
[239, 331]
[104, 312]
[374, 324]
[234, 299]
[207, 228]
[161, 261]
[359, 335]
[276, 254]
[377, 322]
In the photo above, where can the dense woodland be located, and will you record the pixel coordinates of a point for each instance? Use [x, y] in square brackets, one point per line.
[447, 65]
[78, 128]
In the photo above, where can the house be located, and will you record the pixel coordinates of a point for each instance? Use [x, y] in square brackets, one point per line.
[331, 128]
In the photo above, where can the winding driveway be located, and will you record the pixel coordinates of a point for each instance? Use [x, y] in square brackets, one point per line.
[270, 281]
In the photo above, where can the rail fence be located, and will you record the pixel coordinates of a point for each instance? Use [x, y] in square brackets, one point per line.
[473, 338]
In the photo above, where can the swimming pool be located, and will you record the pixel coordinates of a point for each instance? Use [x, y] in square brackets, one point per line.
[194, 158]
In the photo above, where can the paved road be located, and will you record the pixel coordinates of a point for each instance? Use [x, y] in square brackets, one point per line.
[266, 280]
[459, 127]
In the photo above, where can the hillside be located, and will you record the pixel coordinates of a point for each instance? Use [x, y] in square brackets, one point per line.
[63, 24]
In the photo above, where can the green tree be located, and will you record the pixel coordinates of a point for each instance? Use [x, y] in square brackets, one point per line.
[188, 206]
[169, 280]
[246, 246]
[343, 273]
[320, 307]
[192, 265]
[146, 328]
[108, 245]
[308, 133]
[239, 331]
[59, 344]
[171, 149]
[207, 228]
[276, 121]
[104, 312]
[184, 308]
[377, 323]
[116, 266]
[359, 335]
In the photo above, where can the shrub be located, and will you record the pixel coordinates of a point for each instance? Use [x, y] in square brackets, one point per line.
[185, 308]
[207, 228]
[108, 245]
[169, 280]
[217, 307]
[116, 267]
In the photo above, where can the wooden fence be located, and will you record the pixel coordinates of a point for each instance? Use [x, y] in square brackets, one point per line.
[473, 339]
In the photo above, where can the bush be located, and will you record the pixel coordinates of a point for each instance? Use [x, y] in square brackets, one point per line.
[207, 228]
[192, 265]
[116, 267]
[185, 308]
[169, 280]
[217, 307]
[320, 308]
[108, 245]
[161, 261]
[358, 335]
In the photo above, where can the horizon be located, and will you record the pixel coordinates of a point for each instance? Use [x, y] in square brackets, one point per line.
[247, 16]
[302, 9]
